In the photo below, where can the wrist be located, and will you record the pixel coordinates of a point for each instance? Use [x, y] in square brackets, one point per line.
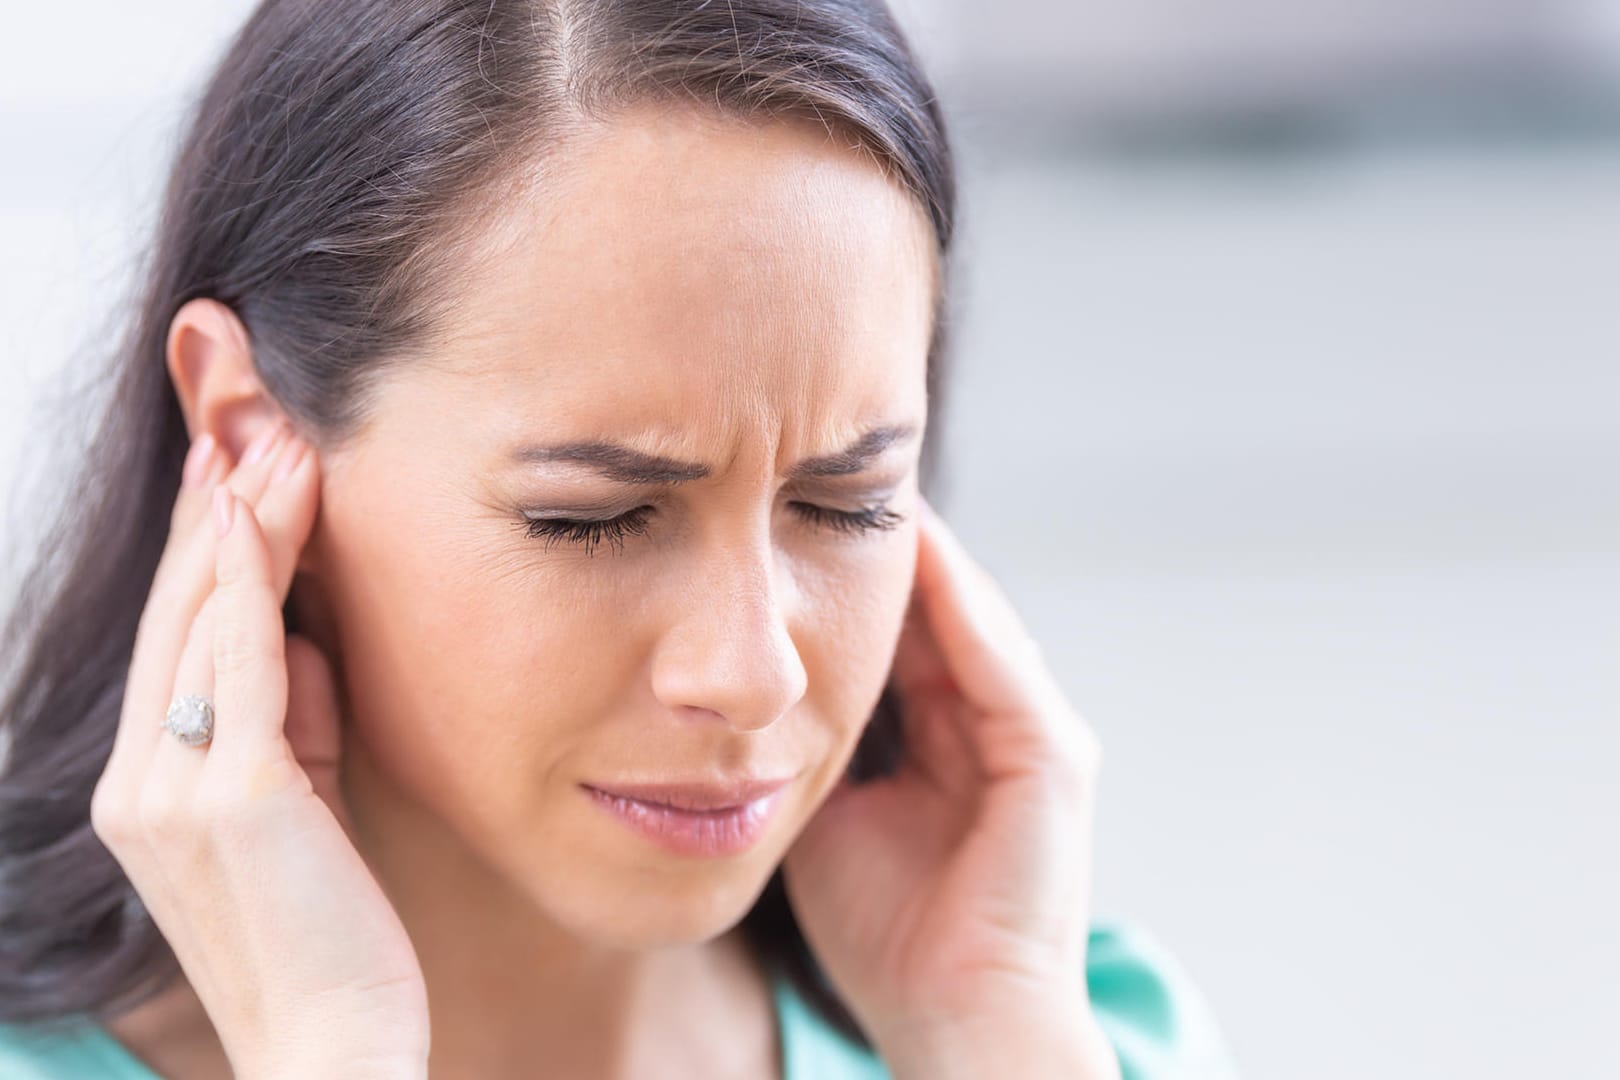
[339, 1064]
[392, 1050]
[344, 1069]
[1053, 1040]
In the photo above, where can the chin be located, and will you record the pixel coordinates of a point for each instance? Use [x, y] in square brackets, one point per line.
[648, 910]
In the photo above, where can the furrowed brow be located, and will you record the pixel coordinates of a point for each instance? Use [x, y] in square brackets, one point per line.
[856, 457]
[625, 465]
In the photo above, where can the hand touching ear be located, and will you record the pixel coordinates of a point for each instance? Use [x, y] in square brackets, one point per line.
[239, 848]
[949, 903]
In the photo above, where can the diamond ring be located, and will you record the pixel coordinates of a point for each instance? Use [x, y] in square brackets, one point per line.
[191, 719]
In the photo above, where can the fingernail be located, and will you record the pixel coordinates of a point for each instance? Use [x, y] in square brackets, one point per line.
[224, 507]
[261, 445]
[198, 458]
[291, 455]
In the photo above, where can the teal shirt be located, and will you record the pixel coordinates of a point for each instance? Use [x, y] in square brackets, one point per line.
[1156, 1019]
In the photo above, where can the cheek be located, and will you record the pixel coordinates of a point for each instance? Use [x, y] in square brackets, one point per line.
[468, 676]
[853, 623]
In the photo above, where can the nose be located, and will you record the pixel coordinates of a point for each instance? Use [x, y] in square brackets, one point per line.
[729, 654]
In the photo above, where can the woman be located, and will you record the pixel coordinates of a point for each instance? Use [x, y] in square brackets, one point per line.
[520, 450]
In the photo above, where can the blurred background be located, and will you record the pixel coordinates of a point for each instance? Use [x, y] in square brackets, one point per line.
[1286, 410]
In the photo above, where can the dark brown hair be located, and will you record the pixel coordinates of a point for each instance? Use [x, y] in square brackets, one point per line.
[328, 168]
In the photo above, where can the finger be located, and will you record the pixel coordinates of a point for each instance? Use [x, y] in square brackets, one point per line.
[313, 728]
[989, 652]
[202, 461]
[932, 723]
[938, 745]
[206, 466]
[283, 520]
[183, 582]
[197, 482]
[286, 512]
[250, 638]
[184, 574]
[919, 669]
[172, 769]
[176, 831]
[994, 659]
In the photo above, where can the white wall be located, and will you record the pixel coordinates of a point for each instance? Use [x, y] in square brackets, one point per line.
[1331, 552]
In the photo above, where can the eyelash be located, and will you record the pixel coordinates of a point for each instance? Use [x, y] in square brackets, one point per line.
[634, 523]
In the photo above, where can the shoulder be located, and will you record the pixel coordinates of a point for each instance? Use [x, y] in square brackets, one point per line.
[79, 1049]
[1157, 1020]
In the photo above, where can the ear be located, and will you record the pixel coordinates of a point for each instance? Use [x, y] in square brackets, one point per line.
[210, 362]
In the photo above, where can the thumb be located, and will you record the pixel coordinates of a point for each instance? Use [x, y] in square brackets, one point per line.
[313, 727]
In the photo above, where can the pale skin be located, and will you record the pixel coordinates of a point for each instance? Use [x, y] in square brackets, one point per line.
[395, 789]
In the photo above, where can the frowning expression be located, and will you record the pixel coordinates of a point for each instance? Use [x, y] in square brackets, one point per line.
[645, 511]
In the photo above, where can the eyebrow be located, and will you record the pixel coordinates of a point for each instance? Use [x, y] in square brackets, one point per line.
[624, 465]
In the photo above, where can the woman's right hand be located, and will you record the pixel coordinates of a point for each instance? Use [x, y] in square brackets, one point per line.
[242, 849]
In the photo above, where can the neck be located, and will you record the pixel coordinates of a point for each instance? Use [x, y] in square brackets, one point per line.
[508, 988]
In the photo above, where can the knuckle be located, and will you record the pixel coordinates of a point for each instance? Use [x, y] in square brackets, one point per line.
[109, 818]
[239, 643]
[237, 653]
[165, 817]
[244, 590]
[194, 829]
[237, 569]
[225, 814]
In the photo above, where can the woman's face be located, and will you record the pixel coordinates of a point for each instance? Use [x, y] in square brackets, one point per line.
[739, 299]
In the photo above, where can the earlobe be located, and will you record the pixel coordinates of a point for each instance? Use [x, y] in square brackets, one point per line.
[210, 363]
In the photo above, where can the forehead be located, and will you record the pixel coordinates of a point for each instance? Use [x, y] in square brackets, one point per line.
[685, 259]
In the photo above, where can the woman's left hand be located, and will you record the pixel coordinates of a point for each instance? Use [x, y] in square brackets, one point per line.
[949, 903]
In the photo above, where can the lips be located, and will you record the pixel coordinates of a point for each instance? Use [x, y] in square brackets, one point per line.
[698, 796]
[712, 820]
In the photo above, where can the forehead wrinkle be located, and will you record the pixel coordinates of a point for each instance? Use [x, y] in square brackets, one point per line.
[759, 328]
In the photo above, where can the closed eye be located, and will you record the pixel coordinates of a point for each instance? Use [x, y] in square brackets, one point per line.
[589, 533]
